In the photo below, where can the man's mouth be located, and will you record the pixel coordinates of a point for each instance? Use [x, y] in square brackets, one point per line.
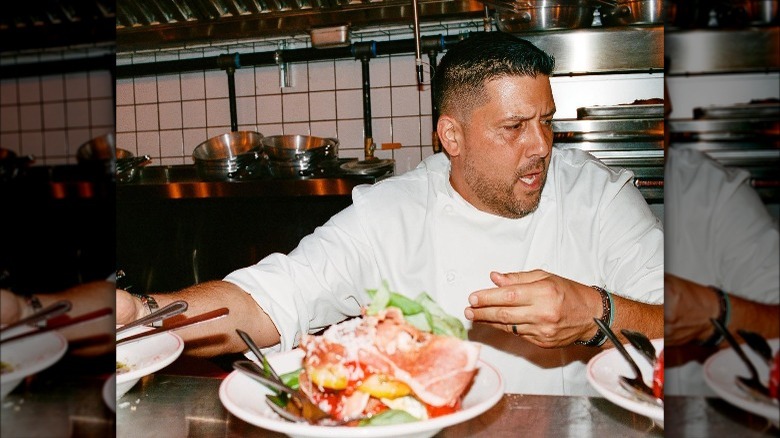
[529, 179]
[532, 180]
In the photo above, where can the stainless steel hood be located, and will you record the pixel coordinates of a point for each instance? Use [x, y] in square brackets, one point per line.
[43, 24]
[145, 24]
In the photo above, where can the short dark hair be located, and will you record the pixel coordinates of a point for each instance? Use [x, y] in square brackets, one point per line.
[465, 68]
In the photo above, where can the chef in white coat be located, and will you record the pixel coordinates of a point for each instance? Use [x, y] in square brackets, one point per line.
[723, 262]
[527, 244]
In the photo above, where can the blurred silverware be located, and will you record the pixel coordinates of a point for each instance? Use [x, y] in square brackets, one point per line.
[635, 385]
[73, 321]
[757, 343]
[751, 385]
[195, 320]
[48, 312]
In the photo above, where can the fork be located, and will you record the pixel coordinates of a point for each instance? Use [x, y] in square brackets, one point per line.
[299, 403]
[751, 385]
[635, 385]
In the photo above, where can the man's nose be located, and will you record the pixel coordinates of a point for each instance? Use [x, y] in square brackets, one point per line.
[539, 140]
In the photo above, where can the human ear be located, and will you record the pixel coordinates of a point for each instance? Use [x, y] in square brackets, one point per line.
[449, 134]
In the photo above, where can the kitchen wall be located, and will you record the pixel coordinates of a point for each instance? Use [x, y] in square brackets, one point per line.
[167, 116]
[50, 115]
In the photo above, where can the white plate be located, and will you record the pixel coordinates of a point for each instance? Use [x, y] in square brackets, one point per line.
[722, 368]
[604, 369]
[245, 398]
[145, 356]
[29, 355]
[109, 392]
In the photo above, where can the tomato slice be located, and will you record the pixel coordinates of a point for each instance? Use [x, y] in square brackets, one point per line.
[774, 377]
[658, 377]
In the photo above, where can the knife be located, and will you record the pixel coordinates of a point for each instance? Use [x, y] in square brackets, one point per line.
[195, 320]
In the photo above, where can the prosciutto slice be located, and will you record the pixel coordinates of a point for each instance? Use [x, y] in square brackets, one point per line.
[437, 368]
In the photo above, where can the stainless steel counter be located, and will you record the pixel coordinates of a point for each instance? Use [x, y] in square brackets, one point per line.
[173, 405]
[62, 401]
[182, 182]
[166, 405]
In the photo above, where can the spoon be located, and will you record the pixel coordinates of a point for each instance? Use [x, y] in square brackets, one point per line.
[299, 403]
[752, 385]
[757, 343]
[48, 312]
[635, 385]
[195, 320]
[168, 311]
[642, 344]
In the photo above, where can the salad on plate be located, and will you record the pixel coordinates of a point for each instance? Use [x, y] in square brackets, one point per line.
[403, 360]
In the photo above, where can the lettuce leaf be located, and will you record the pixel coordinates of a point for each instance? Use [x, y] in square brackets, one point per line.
[389, 417]
[422, 312]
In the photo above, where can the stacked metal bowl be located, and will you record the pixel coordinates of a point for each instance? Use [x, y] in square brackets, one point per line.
[299, 155]
[236, 155]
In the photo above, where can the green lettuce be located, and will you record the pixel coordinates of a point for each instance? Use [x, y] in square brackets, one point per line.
[422, 312]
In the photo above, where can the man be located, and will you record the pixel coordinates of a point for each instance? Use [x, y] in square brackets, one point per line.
[480, 229]
[723, 262]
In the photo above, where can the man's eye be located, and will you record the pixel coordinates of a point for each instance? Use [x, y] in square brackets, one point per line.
[514, 126]
[547, 122]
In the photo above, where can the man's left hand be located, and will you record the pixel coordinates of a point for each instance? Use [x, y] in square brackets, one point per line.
[547, 310]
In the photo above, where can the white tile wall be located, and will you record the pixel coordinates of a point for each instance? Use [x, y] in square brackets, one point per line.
[324, 98]
[50, 116]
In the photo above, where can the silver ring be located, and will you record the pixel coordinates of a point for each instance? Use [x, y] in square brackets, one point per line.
[514, 330]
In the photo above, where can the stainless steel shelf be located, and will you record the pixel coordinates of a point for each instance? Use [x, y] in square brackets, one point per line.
[703, 51]
[603, 49]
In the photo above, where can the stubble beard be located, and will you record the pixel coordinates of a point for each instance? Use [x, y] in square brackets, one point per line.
[498, 196]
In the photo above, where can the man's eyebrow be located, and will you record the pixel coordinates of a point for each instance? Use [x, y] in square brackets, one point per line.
[550, 113]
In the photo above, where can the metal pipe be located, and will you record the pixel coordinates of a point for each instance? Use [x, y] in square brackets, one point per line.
[232, 99]
[393, 47]
[44, 68]
[433, 45]
[365, 51]
[229, 63]
[417, 52]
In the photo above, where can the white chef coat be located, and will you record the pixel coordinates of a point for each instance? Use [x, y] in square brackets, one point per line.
[416, 232]
[719, 233]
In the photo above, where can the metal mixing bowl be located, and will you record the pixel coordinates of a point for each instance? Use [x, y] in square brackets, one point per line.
[302, 149]
[632, 12]
[545, 15]
[235, 155]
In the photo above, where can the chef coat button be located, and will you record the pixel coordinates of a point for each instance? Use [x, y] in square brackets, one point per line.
[450, 276]
[448, 209]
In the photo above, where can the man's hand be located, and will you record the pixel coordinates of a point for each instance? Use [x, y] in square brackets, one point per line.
[548, 310]
[687, 311]
[128, 307]
[11, 309]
